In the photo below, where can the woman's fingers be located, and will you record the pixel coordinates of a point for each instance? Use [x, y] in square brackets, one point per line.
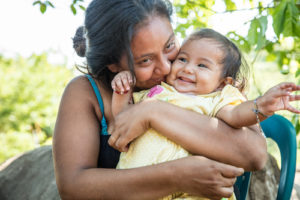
[229, 171]
[207, 178]
[226, 191]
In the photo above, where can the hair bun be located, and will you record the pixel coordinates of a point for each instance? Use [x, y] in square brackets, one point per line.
[79, 43]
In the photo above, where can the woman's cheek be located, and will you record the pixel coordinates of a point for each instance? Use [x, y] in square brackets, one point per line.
[144, 74]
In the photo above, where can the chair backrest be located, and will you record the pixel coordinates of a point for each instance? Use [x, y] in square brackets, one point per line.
[283, 133]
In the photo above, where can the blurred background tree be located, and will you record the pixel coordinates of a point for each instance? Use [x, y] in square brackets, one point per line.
[30, 92]
[279, 16]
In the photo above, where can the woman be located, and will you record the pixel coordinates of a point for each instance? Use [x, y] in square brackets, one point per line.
[137, 35]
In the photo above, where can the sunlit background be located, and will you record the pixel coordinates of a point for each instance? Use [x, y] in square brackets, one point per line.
[37, 60]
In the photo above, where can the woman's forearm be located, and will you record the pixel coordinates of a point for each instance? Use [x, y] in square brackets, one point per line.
[142, 183]
[210, 137]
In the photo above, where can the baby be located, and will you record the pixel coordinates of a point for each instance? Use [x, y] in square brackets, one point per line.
[206, 78]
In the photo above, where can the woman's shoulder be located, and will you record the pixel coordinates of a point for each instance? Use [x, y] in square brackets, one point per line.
[80, 92]
[78, 88]
[81, 85]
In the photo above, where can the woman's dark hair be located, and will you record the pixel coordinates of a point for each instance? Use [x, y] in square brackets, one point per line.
[79, 41]
[234, 65]
[109, 28]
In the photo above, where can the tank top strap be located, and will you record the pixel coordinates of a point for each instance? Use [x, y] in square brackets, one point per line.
[100, 102]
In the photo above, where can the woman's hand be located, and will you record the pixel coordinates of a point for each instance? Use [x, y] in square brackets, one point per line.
[128, 125]
[203, 177]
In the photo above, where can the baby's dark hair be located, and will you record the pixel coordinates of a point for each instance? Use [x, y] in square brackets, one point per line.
[234, 64]
[109, 28]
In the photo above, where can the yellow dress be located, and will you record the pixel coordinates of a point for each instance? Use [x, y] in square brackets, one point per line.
[153, 148]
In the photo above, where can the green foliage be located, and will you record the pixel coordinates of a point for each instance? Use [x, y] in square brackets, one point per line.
[30, 93]
[192, 14]
[286, 19]
[14, 144]
[45, 4]
[283, 14]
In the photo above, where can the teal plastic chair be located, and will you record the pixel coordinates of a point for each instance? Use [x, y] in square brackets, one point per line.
[283, 133]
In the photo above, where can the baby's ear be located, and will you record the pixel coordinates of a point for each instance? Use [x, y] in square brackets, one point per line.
[228, 80]
[114, 68]
[225, 81]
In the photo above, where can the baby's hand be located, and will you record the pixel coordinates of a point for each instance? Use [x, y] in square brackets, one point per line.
[123, 82]
[278, 98]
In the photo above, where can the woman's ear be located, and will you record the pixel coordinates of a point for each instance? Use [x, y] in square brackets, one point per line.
[114, 68]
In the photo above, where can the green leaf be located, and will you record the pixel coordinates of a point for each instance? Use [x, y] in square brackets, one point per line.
[252, 33]
[261, 38]
[263, 21]
[271, 57]
[279, 17]
[269, 47]
[260, 7]
[36, 2]
[50, 4]
[230, 5]
[240, 41]
[297, 73]
[82, 7]
[43, 8]
[291, 23]
[73, 9]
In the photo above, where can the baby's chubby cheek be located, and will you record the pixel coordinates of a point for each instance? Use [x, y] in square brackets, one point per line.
[170, 79]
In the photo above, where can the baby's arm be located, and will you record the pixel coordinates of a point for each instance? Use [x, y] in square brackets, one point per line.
[122, 86]
[275, 99]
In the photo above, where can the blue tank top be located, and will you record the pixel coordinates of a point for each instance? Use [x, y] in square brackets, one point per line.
[108, 156]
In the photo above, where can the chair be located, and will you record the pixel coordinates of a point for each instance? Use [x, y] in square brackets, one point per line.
[283, 133]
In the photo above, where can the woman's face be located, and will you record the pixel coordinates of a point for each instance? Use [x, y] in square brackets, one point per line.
[153, 46]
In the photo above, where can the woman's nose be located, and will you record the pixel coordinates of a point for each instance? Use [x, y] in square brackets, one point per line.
[164, 67]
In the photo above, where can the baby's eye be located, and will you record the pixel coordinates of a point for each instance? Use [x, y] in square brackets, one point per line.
[182, 60]
[202, 65]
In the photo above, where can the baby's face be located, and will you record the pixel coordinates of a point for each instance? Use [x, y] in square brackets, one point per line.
[197, 68]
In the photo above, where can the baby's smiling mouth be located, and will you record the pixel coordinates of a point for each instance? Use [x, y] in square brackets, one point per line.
[185, 79]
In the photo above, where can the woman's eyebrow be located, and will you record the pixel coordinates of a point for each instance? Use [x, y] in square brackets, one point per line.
[150, 54]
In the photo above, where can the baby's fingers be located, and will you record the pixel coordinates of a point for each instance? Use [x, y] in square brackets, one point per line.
[130, 79]
[119, 86]
[292, 109]
[294, 97]
[125, 82]
[287, 86]
[281, 92]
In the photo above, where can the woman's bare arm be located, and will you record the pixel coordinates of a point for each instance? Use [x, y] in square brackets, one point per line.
[199, 134]
[76, 149]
